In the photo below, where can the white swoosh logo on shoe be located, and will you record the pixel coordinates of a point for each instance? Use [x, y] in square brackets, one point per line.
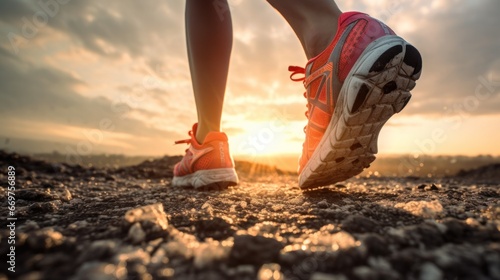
[197, 154]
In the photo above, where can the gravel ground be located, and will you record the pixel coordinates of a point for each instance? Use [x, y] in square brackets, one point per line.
[129, 223]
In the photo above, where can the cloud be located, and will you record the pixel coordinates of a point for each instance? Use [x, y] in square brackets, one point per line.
[458, 45]
[49, 95]
[111, 28]
[91, 53]
[11, 10]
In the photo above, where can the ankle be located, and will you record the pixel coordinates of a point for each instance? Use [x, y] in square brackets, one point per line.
[318, 39]
[203, 130]
[320, 31]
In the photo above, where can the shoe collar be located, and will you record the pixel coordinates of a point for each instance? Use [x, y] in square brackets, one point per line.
[211, 136]
[342, 20]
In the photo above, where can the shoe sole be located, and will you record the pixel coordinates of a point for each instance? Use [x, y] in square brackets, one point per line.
[210, 179]
[377, 87]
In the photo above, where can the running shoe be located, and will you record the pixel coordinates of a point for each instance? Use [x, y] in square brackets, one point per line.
[352, 88]
[207, 165]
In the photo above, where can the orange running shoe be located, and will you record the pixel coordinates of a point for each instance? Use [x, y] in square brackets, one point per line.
[352, 88]
[208, 165]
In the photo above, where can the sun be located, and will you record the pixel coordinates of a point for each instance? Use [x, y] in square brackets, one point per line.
[265, 138]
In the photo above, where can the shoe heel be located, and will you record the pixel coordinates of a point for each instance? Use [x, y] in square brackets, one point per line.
[215, 178]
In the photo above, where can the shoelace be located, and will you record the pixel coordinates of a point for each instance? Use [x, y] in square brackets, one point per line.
[297, 70]
[185, 141]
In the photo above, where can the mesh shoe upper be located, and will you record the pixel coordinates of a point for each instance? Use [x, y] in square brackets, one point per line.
[213, 153]
[326, 73]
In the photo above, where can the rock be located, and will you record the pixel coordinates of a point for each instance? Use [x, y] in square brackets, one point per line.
[76, 201]
[426, 209]
[455, 229]
[431, 188]
[270, 271]
[34, 195]
[364, 272]
[78, 224]
[101, 271]
[443, 258]
[159, 257]
[324, 242]
[181, 245]
[153, 245]
[277, 207]
[208, 207]
[153, 213]
[216, 228]
[136, 234]
[430, 271]
[359, 224]
[138, 271]
[52, 260]
[472, 222]
[164, 273]
[257, 250]
[493, 260]
[131, 254]
[245, 270]
[323, 204]
[489, 194]
[210, 275]
[28, 226]
[110, 178]
[28, 276]
[151, 218]
[324, 276]
[66, 196]
[209, 253]
[404, 260]
[379, 264]
[45, 207]
[426, 233]
[377, 246]
[493, 212]
[98, 250]
[45, 239]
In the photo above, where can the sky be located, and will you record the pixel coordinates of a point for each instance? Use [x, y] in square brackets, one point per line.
[84, 77]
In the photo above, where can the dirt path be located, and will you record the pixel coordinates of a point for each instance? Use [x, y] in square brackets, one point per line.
[81, 223]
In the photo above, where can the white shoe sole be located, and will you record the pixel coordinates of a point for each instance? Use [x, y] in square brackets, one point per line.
[377, 87]
[210, 179]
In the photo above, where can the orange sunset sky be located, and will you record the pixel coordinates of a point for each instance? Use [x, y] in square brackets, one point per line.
[112, 76]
